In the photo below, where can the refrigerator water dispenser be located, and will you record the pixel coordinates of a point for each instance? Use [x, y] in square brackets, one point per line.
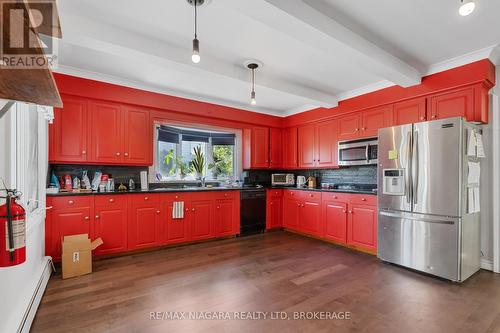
[394, 182]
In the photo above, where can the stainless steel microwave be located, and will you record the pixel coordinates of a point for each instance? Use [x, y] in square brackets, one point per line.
[358, 152]
[283, 179]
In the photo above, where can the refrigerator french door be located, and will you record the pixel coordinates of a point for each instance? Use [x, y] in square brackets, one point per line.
[423, 222]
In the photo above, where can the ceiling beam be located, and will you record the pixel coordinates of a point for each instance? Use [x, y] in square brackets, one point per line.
[140, 48]
[308, 21]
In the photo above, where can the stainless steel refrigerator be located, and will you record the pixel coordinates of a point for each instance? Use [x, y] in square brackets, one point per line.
[423, 219]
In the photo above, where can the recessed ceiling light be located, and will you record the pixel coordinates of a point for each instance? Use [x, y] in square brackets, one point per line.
[466, 7]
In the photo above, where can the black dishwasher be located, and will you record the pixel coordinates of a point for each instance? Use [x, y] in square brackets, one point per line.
[252, 211]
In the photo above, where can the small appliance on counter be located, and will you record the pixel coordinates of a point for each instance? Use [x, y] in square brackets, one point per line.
[282, 179]
[301, 181]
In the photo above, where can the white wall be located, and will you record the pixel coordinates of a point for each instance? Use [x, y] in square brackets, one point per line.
[495, 173]
[18, 284]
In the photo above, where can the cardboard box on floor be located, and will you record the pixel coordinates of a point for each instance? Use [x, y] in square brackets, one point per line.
[77, 255]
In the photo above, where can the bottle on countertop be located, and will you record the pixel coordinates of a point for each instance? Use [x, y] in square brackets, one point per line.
[131, 185]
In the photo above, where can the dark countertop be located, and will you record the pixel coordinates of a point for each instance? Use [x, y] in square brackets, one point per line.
[161, 190]
[323, 190]
[206, 189]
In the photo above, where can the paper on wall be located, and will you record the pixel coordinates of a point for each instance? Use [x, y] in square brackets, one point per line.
[480, 146]
[474, 173]
[477, 204]
[471, 143]
[473, 200]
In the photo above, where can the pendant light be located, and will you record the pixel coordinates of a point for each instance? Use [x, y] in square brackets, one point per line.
[466, 7]
[253, 66]
[195, 57]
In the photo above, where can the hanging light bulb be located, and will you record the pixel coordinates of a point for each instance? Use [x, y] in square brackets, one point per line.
[466, 7]
[195, 57]
[253, 67]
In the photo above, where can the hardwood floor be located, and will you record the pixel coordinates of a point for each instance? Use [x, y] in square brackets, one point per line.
[276, 271]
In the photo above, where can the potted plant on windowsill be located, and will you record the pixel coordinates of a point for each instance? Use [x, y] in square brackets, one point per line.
[179, 165]
[216, 167]
[198, 162]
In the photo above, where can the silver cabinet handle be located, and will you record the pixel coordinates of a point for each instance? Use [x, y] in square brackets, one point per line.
[157, 212]
[97, 217]
[86, 218]
[71, 202]
[408, 167]
[111, 200]
[126, 154]
[192, 209]
[415, 167]
[84, 152]
[117, 154]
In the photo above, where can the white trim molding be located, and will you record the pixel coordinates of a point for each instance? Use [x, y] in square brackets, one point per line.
[487, 264]
[495, 124]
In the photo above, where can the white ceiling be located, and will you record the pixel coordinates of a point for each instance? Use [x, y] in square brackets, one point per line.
[315, 52]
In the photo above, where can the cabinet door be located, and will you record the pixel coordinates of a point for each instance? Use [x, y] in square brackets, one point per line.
[335, 221]
[144, 218]
[409, 112]
[452, 104]
[260, 147]
[291, 213]
[326, 144]
[107, 144]
[275, 148]
[348, 127]
[224, 217]
[137, 138]
[110, 223]
[201, 217]
[174, 230]
[306, 153]
[310, 218]
[69, 132]
[67, 222]
[290, 148]
[372, 120]
[362, 227]
[274, 213]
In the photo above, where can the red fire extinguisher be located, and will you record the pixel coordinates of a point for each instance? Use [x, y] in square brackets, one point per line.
[12, 231]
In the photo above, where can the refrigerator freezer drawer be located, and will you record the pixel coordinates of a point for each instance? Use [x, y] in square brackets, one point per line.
[426, 243]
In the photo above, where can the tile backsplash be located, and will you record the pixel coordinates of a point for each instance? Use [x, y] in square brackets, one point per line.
[366, 174]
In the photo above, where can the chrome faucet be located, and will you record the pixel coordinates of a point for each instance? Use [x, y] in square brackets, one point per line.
[202, 182]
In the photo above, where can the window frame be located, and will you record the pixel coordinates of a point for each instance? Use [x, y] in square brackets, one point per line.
[237, 153]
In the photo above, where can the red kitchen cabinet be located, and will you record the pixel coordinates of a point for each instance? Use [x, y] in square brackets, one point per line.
[306, 146]
[452, 104]
[372, 120]
[317, 145]
[110, 223]
[275, 148]
[144, 221]
[291, 207]
[310, 214]
[274, 209]
[411, 111]
[71, 216]
[349, 126]
[335, 220]
[290, 148]
[137, 136]
[362, 227]
[326, 144]
[260, 147]
[225, 212]
[174, 230]
[106, 132]
[201, 216]
[69, 139]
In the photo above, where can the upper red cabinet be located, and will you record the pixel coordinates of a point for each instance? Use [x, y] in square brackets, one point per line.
[69, 132]
[290, 148]
[411, 111]
[458, 103]
[317, 145]
[89, 131]
[262, 148]
[348, 126]
[365, 123]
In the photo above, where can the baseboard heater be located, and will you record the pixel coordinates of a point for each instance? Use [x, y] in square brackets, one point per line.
[30, 313]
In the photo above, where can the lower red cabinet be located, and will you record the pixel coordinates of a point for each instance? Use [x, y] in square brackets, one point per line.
[174, 230]
[144, 221]
[291, 208]
[274, 209]
[310, 214]
[111, 223]
[201, 215]
[335, 220]
[362, 226]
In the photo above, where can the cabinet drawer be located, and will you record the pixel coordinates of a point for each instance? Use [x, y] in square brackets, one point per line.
[274, 193]
[311, 196]
[334, 196]
[111, 200]
[222, 195]
[175, 196]
[363, 199]
[147, 198]
[293, 194]
[71, 202]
